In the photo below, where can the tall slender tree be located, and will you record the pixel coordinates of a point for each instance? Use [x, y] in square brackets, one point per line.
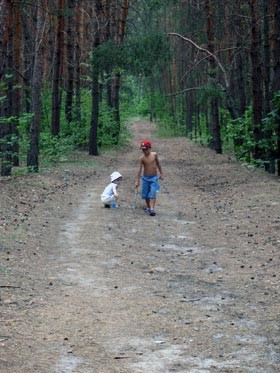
[6, 87]
[214, 125]
[276, 74]
[16, 90]
[70, 60]
[78, 49]
[120, 23]
[93, 148]
[36, 85]
[57, 70]
[256, 63]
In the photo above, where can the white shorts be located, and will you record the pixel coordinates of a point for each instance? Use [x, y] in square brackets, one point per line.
[107, 200]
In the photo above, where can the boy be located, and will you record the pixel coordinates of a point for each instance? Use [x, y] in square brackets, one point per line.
[149, 163]
[110, 194]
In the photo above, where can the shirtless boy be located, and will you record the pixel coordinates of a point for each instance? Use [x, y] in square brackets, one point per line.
[149, 164]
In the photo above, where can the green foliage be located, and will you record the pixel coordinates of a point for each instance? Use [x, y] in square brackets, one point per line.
[53, 148]
[239, 134]
[143, 107]
[167, 128]
[206, 93]
[23, 129]
[6, 150]
[147, 51]
[129, 97]
[76, 133]
[110, 56]
[107, 127]
[46, 107]
[270, 126]
[201, 134]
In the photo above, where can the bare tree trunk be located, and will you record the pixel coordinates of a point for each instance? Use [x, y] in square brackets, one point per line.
[16, 105]
[33, 151]
[267, 64]
[108, 20]
[51, 41]
[78, 46]
[93, 148]
[190, 113]
[256, 78]
[214, 125]
[120, 19]
[70, 60]
[6, 105]
[57, 77]
[4, 126]
[28, 37]
[270, 162]
[276, 74]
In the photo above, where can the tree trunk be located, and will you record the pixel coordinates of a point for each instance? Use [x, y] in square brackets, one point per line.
[28, 37]
[16, 105]
[70, 60]
[257, 97]
[214, 125]
[33, 151]
[270, 162]
[276, 74]
[267, 64]
[56, 83]
[78, 45]
[190, 111]
[108, 20]
[120, 19]
[6, 105]
[93, 148]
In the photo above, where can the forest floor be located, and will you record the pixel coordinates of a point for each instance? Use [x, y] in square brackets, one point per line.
[86, 289]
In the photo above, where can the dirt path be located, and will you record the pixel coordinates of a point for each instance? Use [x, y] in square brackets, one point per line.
[194, 289]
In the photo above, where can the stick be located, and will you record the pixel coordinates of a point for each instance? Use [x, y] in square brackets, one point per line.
[135, 198]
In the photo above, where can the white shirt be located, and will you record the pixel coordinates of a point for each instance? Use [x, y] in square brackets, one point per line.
[110, 190]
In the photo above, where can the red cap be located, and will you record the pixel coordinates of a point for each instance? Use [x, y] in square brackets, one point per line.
[145, 144]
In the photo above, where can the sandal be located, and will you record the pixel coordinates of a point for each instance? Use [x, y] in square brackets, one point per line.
[152, 212]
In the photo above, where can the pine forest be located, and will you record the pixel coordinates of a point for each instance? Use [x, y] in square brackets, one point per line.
[72, 73]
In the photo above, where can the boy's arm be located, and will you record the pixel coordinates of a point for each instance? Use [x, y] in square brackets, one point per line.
[159, 166]
[137, 183]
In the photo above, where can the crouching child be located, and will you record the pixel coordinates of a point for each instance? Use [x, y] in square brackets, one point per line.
[110, 195]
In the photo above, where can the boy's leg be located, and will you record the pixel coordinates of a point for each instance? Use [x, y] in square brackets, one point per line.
[148, 206]
[145, 193]
[152, 195]
[148, 203]
[152, 208]
[152, 203]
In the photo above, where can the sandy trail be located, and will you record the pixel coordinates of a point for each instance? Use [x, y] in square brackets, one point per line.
[193, 289]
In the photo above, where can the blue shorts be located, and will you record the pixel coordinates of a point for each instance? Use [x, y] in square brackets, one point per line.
[150, 187]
